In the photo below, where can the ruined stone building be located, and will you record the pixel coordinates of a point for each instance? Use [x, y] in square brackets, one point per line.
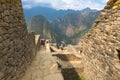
[100, 47]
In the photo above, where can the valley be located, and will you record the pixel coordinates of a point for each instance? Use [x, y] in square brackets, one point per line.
[65, 25]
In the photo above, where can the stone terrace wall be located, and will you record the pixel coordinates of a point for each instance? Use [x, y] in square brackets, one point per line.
[100, 47]
[17, 46]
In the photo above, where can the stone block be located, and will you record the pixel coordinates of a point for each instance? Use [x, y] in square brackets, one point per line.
[117, 14]
[1, 47]
[1, 9]
[118, 18]
[6, 12]
[1, 39]
[11, 50]
[1, 74]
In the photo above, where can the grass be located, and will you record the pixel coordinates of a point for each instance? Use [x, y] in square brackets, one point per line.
[77, 78]
[72, 74]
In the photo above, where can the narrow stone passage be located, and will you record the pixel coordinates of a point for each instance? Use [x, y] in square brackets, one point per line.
[44, 67]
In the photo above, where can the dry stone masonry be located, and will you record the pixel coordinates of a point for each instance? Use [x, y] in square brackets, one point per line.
[100, 48]
[17, 46]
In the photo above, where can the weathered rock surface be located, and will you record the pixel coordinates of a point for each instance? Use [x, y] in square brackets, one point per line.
[100, 47]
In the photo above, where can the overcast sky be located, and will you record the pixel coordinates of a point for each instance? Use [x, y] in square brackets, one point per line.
[65, 4]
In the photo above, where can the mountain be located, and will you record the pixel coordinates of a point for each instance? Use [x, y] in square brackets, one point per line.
[50, 13]
[40, 25]
[74, 25]
[69, 28]
[88, 10]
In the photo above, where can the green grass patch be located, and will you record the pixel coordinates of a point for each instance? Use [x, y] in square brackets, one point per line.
[77, 78]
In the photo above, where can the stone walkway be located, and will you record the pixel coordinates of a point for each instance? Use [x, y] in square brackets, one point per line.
[43, 67]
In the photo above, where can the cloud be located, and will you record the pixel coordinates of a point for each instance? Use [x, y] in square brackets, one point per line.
[105, 0]
[65, 4]
[27, 6]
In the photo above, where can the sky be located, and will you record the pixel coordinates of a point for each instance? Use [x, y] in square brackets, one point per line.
[65, 4]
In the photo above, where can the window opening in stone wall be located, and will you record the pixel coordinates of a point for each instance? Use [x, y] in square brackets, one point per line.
[118, 50]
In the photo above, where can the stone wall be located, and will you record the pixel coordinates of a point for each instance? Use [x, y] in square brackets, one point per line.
[100, 47]
[17, 46]
[37, 42]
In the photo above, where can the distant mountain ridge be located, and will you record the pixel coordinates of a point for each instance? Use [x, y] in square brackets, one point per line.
[74, 25]
[68, 25]
[50, 13]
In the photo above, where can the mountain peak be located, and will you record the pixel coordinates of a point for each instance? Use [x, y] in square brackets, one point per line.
[88, 10]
